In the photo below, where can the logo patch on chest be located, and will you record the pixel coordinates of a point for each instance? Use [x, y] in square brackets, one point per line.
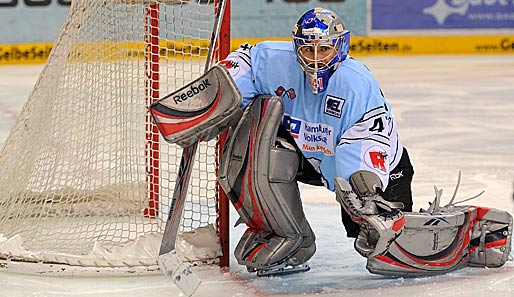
[334, 106]
[310, 137]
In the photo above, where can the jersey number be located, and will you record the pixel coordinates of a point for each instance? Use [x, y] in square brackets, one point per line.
[317, 82]
[378, 125]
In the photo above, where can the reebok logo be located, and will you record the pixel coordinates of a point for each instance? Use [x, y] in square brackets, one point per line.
[394, 176]
[435, 221]
[193, 90]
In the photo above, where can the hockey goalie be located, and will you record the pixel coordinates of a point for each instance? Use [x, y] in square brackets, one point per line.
[305, 111]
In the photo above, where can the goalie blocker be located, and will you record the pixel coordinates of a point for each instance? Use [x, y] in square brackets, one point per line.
[200, 110]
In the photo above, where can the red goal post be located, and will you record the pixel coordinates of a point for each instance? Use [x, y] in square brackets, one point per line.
[223, 202]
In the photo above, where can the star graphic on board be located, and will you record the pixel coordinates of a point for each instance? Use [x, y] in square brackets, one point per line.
[441, 10]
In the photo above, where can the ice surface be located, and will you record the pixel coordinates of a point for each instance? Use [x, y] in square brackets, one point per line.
[454, 113]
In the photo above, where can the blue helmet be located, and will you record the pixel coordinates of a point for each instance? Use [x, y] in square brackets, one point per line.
[321, 43]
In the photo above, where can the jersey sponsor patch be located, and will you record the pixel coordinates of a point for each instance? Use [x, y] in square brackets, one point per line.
[310, 137]
[376, 158]
[292, 125]
[334, 106]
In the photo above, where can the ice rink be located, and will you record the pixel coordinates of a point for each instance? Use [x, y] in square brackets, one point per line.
[454, 113]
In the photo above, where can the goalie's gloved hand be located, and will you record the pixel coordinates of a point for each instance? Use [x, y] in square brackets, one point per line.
[381, 221]
[378, 232]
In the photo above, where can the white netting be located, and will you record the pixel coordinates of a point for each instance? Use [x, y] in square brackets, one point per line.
[84, 178]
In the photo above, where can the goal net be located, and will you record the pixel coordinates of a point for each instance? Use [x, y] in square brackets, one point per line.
[85, 177]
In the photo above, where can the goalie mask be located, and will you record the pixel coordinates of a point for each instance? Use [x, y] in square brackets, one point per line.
[321, 43]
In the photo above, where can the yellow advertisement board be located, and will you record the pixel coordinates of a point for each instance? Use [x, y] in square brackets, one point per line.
[359, 46]
[25, 53]
[421, 45]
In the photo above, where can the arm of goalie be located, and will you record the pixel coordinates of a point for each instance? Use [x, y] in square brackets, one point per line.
[200, 110]
[381, 221]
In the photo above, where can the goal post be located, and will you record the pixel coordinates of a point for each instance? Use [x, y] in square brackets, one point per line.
[152, 59]
[223, 201]
[85, 178]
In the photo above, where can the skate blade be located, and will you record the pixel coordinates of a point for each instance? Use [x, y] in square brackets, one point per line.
[283, 269]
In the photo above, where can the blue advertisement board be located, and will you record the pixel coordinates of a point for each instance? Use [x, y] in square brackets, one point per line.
[442, 14]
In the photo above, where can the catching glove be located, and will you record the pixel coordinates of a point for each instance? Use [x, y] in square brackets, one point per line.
[381, 221]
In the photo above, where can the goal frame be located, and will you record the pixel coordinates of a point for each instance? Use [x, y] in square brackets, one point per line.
[148, 50]
[222, 198]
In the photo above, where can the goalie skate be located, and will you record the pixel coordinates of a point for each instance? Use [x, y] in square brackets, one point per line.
[282, 269]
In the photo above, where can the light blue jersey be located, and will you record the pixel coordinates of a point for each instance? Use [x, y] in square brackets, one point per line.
[347, 128]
